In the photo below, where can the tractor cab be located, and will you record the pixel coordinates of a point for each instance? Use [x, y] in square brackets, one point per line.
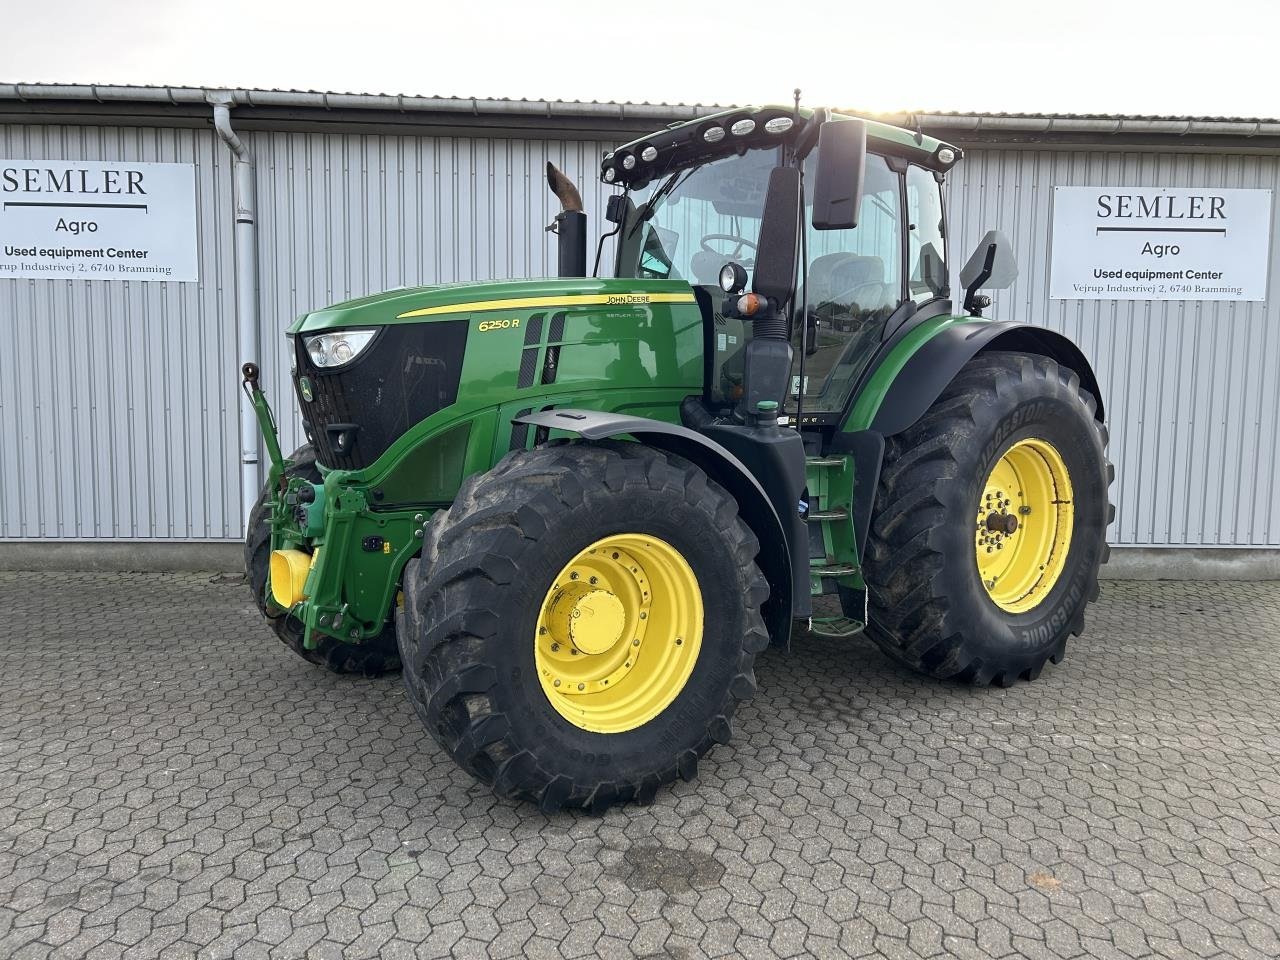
[695, 210]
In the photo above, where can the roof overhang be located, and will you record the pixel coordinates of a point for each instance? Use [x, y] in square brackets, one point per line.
[570, 119]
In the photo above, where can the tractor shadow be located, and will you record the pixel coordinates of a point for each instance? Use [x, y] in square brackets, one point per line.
[824, 679]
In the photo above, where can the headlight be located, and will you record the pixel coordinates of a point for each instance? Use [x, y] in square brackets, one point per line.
[337, 347]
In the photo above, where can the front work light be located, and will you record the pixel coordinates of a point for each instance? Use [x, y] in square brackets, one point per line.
[733, 277]
[337, 347]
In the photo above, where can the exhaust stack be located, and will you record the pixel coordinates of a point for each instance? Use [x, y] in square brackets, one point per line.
[569, 226]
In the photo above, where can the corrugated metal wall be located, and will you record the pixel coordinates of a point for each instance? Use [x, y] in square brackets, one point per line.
[118, 399]
[117, 415]
[1192, 389]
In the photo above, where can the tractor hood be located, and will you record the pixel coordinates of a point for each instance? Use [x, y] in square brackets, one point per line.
[456, 300]
[413, 353]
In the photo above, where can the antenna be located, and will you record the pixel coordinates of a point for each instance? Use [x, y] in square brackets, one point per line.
[915, 121]
[790, 151]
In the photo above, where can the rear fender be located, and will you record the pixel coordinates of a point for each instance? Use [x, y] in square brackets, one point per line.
[923, 378]
[754, 505]
[933, 366]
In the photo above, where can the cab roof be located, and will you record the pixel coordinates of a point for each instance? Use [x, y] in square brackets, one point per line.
[733, 131]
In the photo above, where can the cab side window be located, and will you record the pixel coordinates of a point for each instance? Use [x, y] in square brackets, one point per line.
[854, 285]
[926, 243]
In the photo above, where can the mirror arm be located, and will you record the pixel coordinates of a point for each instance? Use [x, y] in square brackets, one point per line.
[971, 291]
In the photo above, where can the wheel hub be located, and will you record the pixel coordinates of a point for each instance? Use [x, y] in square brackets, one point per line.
[1005, 523]
[1024, 524]
[589, 620]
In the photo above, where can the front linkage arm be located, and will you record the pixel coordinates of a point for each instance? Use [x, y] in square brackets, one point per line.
[266, 423]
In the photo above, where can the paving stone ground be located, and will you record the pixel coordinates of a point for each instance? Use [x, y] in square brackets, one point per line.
[174, 783]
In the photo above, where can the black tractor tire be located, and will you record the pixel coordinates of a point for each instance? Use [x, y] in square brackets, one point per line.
[472, 603]
[371, 658]
[929, 608]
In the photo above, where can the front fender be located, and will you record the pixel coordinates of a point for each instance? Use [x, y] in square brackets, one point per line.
[754, 505]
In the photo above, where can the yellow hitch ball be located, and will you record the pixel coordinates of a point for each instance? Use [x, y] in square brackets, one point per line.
[289, 569]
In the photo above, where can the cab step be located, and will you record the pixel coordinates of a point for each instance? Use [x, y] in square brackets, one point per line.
[825, 461]
[835, 570]
[836, 628]
[817, 516]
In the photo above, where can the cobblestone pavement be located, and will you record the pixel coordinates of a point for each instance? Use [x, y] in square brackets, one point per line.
[174, 783]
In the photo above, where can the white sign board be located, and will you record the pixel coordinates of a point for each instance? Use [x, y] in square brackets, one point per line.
[85, 220]
[1153, 243]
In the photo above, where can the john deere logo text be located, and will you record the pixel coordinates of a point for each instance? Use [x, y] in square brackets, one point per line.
[623, 299]
[488, 325]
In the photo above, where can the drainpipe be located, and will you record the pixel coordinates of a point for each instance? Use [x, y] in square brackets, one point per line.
[246, 270]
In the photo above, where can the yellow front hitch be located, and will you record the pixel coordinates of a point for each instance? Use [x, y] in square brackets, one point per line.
[288, 572]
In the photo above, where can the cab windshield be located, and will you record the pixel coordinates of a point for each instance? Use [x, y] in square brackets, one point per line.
[698, 219]
[690, 224]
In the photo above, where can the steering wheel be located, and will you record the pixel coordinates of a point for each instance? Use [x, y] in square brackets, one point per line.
[738, 242]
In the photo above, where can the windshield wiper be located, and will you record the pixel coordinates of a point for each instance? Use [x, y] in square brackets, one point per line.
[667, 187]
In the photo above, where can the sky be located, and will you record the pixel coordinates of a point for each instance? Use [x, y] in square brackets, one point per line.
[1078, 56]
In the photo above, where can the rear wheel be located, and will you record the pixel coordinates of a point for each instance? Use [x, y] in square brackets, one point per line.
[583, 623]
[370, 658]
[990, 524]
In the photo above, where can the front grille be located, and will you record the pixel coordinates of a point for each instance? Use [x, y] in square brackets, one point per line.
[407, 373]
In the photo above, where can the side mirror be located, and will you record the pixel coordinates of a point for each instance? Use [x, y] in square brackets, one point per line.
[777, 246]
[991, 266]
[837, 184]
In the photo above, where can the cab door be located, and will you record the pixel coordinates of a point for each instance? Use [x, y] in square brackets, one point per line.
[854, 282]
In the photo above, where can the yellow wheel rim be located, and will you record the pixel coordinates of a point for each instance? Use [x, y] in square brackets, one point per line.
[619, 633]
[1025, 515]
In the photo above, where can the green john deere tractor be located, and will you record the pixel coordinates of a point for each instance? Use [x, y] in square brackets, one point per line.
[576, 509]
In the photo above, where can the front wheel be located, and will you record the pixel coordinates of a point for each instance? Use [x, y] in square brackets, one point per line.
[990, 524]
[583, 623]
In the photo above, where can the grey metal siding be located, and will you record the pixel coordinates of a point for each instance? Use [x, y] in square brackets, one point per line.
[117, 417]
[1192, 389]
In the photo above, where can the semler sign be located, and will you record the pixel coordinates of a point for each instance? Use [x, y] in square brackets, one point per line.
[86, 220]
[1158, 243]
